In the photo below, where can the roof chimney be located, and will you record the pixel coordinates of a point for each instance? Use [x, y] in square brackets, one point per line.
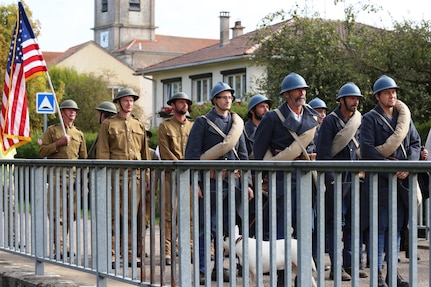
[237, 30]
[224, 28]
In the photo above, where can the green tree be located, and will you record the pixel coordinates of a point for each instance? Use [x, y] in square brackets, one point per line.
[87, 90]
[402, 53]
[330, 53]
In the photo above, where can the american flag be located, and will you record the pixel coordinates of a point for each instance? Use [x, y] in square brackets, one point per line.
[24, 62]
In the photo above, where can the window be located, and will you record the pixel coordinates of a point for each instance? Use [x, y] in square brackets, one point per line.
[201, 88]
[237, 80]
[170, 88]
[134, 5]
[104, 6]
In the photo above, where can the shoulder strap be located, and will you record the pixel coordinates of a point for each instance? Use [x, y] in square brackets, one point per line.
[355, 141]
[280, 115]
[220, 132]
[214, 126]
[294, 134]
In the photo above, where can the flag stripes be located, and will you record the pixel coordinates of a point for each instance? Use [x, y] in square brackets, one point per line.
[25, 61]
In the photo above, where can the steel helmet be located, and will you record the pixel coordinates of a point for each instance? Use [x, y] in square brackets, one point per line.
[349, 89]
[317, 103]
[125, 92]
[107, 107]
[69, 104]
[257, 99]
[220, 87]
[292, 81]
[384, 83]
[180, 96]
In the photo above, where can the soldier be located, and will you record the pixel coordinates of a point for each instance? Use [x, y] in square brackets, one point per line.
[388, 133]
[257, 107]
[123, 137]
[285, 133]
[59, 145]
[339, 140]
[208, 134]
[172, 137]
[105, 111]
[319, 106]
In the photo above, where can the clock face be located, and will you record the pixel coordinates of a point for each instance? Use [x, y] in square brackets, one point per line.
[104, 39]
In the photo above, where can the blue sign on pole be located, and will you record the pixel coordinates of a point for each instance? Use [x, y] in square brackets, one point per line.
[45, 103]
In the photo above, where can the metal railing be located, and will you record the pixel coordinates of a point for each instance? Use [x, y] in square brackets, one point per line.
[66, 212]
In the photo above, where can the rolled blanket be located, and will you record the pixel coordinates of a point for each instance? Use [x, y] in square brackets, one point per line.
[400, 132]
[346, 134]
[229, 141]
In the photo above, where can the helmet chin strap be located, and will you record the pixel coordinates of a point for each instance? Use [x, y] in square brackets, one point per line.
[121, 106]
[65, 114]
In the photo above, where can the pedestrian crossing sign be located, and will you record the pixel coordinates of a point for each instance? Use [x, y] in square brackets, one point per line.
[45, 103]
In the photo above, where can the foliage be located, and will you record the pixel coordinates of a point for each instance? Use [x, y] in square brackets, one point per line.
[29, 150]
[423, 130]
[153, 141]
[87, 90]
[330, 53]
[238, 107]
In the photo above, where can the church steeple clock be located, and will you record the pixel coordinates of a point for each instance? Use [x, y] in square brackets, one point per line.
[117, 22]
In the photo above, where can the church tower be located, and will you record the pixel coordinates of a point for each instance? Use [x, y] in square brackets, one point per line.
[117, 22]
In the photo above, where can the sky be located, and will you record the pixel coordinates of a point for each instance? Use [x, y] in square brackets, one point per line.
[67, 23]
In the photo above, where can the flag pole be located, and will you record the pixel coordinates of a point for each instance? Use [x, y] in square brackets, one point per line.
[56, 102]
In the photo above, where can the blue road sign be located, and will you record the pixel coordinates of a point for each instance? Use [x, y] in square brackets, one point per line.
[45, 103]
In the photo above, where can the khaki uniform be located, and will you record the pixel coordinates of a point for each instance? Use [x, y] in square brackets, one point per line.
[172, 141]
[77, 149]
[123, 139]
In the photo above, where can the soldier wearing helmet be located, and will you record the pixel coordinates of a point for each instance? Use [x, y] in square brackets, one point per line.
[123, 137]
[56, 144]
[320, 106]
[71, 145]
[216, 136]
[338, 139]
[388, 133]
[275, 134]
[105, 110]
[172, 140]
[257, 107]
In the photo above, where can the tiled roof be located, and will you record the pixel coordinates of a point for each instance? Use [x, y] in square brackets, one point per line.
[52, 58]
[167, 44]
[162, 44]
[238, 47]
